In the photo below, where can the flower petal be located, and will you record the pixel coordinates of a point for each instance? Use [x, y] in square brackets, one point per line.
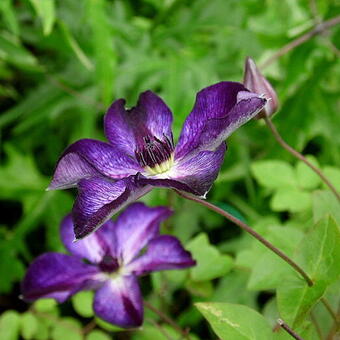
[99, 199]
[87, 158]
[125, 129]
[119, 302]
[194, 175]
[218, 111]
[58, 276]
[94, 246]
[164, 252]
[136, 226]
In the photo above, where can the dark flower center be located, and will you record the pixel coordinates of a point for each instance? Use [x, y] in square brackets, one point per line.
[108, 264]
[156, 155]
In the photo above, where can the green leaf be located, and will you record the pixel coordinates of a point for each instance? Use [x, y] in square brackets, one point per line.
[274, 174]
[8, 12]
[45, 9]
[107, 326]
[333, 175]
[10, 325]
[82, 303]
[29, 180]
[235, 322]
[210, 262]
[45, 305]
[97, 335]
[290, 199]
[15, 54]
[29, 325]
[319, 256]
[67, 329]
[105, 54]
[72, 42]
[269, 269]
[306, 177]
[11, 267]
[324, 203]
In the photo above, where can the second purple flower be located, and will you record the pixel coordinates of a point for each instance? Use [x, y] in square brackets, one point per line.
[114, 261]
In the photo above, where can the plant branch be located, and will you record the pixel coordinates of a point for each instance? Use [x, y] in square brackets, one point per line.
[250, 231]
[330, 310]
[319, 28]
[316, 325]
[167, 319]
[298, 155]
[288, 329]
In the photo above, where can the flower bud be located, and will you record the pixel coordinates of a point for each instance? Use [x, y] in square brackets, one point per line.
[254, 81]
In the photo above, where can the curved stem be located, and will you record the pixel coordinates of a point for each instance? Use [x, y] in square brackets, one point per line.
[288, 329]
[300, 156]
[319, 28]
[330, 310]
[250, 231]
[168, 320]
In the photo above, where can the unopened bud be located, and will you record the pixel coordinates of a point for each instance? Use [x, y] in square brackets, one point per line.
[254, 81]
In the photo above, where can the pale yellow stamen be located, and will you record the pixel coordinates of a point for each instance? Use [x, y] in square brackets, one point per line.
[160, 168]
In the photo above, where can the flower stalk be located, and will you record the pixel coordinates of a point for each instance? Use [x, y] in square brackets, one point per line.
[299, 156]
[283, 325]
[250, 231]
[168, 320]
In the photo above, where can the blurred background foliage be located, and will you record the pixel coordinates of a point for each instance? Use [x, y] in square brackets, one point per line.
[61, 65]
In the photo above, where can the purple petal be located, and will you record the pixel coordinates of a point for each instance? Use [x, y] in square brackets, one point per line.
[119, 302]
[194, 175]
[218, 111]
[136, 226]
[99, 199]
[87, 158]
[125, 129]
[58, 276]
[94, 246]
[164, 252]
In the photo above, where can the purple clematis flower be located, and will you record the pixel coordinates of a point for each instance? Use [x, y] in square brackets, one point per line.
[114, 263]
[141, 153]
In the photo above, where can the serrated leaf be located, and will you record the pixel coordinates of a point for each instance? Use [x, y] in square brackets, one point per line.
[210, 262]
[29, 325]
[237, 322]
[9, 325]
[290, 199]
[274, 174]
[82, 303]
[319, 256]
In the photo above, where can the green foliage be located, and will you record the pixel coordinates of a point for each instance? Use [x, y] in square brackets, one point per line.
[319, 254]
[9, 325]
[210, 262]
[82, 303]
[61, 65]
[237, 322]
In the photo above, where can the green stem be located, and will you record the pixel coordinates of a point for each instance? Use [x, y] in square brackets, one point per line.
[250, 231]
[168, 320]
